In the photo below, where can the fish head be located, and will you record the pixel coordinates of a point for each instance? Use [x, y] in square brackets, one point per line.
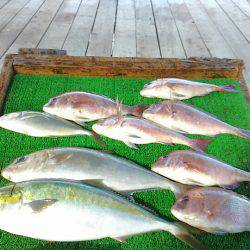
[9, 118]
[25, 167]
[53, 106]
[151, 89]
[106, 126]
[153, 112]
[189, 208]
[9, 197]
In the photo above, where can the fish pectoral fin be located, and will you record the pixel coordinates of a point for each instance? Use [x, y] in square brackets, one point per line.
[120, 239]
[39, 205]
[134, 136]
[58, 159]
[81, 122]
[232, 186]
[130, 144]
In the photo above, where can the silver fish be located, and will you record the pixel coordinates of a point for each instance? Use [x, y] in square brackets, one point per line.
[180, 89]
[87, 164]
[132, 130]
[189, 167]
[60, 210]
[82, 107]
[214, 210]
[185, 118]
[39, 124]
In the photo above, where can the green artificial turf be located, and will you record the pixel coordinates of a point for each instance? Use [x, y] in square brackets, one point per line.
[32, 92]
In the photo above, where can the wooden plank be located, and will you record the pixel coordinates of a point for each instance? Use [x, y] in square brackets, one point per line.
[59, 27]
[34, 31]
[125, 38]
[169, 38]
[244, 5]
[190, 36]
[235, 39]
[128, 67]
[77, 40]
[3, 3]
[25, 51]
[146, 35]
[237, 16]
[10, 10]
[5, 79]
[15, 27]
[101, 38]
[214, 41]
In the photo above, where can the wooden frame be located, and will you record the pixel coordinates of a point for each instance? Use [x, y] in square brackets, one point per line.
[50, 62]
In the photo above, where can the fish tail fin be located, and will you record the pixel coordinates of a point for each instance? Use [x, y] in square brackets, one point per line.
[138, 110]
[200, 144]
[183, 234]
[242, 133]
[226, 88]
[98, 139]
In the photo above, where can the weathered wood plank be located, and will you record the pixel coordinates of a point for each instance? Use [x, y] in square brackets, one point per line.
[214, 41]
[34, 31]
[169, 39]
[125, 38]
[227, 28]
[244, 5]
[191, 39]
[3, 3]
[32, 51]
[101, 38]
[237, 16]
[127, 67]
[59, 27]
[5, 79]
[15, 27]
[10, 10]
[77, 40]
[146, 36]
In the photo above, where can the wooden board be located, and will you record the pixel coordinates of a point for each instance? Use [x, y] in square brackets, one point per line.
[101, 38]
[57, 32]
[125, 34]
[77, 40]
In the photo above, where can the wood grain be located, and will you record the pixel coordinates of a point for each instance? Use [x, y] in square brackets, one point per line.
[128, 67]
[5, 79]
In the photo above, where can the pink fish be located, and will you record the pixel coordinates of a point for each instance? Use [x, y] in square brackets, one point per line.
[180, 89]
[189, 167]
[132, 130]
[186, 118]
[82, 107]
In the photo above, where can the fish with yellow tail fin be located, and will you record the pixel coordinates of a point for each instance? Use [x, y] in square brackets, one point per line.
[60, 210]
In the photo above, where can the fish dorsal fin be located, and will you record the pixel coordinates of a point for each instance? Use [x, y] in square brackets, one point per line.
[39, 205]
[119, 111]
[59, 158]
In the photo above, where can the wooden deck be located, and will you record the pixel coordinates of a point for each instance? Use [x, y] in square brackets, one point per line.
[138, 28]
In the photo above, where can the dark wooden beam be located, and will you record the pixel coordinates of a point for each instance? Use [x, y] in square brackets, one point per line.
[6, 76]
[128, 67]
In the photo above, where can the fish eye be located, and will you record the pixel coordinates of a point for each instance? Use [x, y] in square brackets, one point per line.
[181, 204]
[20, 159]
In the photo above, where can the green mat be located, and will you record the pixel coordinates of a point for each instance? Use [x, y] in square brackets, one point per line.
[32, 92]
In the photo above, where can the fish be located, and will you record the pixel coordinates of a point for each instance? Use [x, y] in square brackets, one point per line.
[188, 119]
[39, 124]
[82, 107]
[193, 168]
[133, 130]
[63, 210]
[180, 89]
[86, 164]
[214, 210]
